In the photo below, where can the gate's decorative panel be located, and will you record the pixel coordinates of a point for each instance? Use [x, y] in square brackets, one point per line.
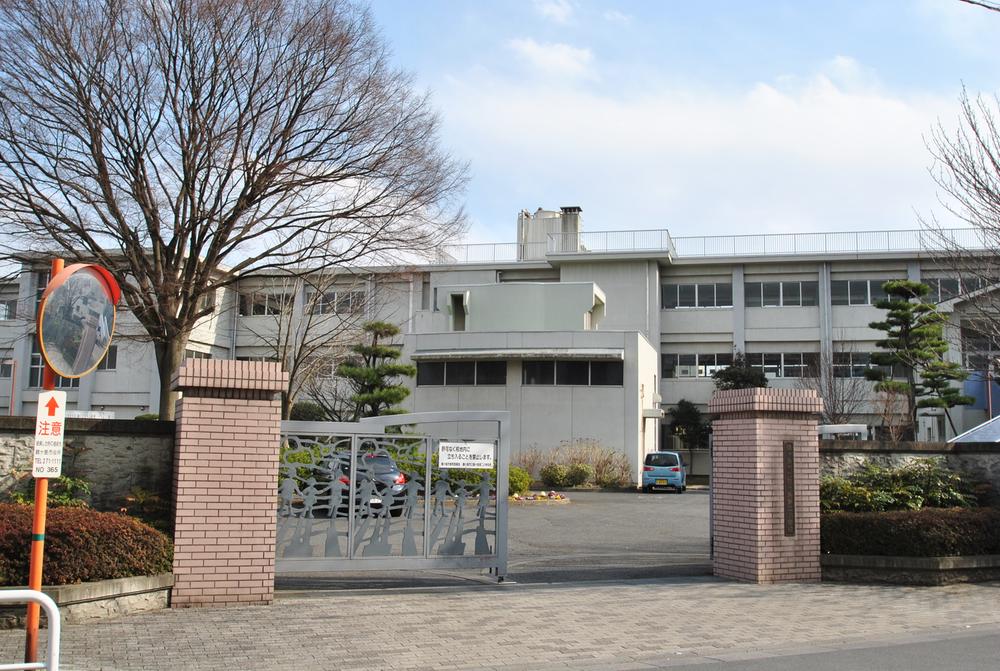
[356, 501]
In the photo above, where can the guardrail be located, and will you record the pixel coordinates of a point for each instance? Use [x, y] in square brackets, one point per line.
[844, 242]
[12, 596]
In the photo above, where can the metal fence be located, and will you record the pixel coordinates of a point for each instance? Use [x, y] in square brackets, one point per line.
[51, 662]
[610, 242]
[352, 497]
[844, 242]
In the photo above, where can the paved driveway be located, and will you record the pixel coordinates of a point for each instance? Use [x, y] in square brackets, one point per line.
[597, 536]
[610, 535]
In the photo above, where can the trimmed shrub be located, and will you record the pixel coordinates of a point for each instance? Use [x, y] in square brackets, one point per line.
[929, 532]
[81, 545]
[554, 475]
[579, 474]
[518, 480]
[307, 411]
[922, 483]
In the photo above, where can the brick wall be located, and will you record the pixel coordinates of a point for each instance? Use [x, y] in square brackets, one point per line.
[748, 508]
[225, 479]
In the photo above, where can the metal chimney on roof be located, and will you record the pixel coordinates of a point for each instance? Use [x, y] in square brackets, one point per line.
[571, 215]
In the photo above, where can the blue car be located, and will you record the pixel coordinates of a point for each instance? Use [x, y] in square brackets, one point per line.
[664, 469]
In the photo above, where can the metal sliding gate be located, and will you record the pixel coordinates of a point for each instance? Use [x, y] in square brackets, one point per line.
[353, 497]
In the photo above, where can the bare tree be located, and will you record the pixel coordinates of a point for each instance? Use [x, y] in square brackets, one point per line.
[309, 322]
[844, 397]
[988, 4]
[185, 143]
[967, 170]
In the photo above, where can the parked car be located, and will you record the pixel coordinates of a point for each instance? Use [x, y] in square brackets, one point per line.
[664, 469]
[383, 477]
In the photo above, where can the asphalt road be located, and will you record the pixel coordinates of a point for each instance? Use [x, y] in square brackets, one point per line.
[596, 536]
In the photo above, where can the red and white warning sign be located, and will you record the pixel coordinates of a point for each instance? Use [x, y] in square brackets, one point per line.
[49, 430]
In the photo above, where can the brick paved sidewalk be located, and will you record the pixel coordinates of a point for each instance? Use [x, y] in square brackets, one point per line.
[627, 625]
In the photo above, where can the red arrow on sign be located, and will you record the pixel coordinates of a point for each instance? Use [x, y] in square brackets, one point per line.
[52, 405]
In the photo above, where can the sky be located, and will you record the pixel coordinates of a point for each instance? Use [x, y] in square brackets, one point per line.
[704, 118]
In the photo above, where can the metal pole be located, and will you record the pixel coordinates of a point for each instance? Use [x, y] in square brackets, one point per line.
[13, 382]
[38, 524]
[989, 389]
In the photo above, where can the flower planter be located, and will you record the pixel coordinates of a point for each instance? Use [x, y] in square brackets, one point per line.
[910, 570]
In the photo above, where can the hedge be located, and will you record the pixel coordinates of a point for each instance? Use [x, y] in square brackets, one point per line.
[81, 545]
[929, 532]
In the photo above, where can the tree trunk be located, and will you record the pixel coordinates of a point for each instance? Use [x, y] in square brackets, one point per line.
[169, 357]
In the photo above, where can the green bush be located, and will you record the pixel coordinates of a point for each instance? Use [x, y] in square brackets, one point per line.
[148, 417]
[923, 483]
[579, 474]
[554, 475]
[81, 545]
[518, 480]
[63, 491]
[307, 411]
[929, 532]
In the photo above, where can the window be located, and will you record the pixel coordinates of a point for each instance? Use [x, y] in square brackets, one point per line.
[856, 292]
[195, 354]
[457, 373]
[607, 373]
[6, 369]
[430, 373]
[661, 460]
[785, 294]
[771, 294]
[110, 360]
[574, 373]
[980, 344]
[37, 365]
[538, 372]
[708, 295]
[693, 365]
[461, 373]
[853, 364]
[792, 364]
[491, 373]
[8, 310]
[259, 303]
[207, 301]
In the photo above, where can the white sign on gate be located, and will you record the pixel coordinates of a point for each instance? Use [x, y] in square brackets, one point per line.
[50, 426]
[465, 455]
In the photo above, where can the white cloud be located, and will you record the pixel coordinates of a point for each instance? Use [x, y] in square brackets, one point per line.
[829, 151]
[559, 11]
[615, 16]
[553, 58]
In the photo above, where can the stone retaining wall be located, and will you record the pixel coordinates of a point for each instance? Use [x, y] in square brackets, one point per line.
[977, 461]
[112, 455]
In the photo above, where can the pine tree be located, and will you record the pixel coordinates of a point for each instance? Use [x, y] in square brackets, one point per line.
[373, 373]
[688, 423]
[915, 345]
[739, 375]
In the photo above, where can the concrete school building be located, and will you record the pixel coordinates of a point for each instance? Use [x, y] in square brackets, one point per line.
[581, 335]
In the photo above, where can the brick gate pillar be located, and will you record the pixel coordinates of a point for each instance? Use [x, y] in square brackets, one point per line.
[225, 481]
[765, 484]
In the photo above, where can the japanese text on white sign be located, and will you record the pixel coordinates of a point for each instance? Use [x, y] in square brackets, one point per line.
[465, 455]
[49, 429]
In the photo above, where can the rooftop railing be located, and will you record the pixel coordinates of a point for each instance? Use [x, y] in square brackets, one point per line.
[846, 242]
[610, 242]
[659, 242]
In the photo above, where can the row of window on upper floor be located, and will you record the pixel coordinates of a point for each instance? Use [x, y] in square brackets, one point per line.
[803, 293]
[785, 364]
[546, 373]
